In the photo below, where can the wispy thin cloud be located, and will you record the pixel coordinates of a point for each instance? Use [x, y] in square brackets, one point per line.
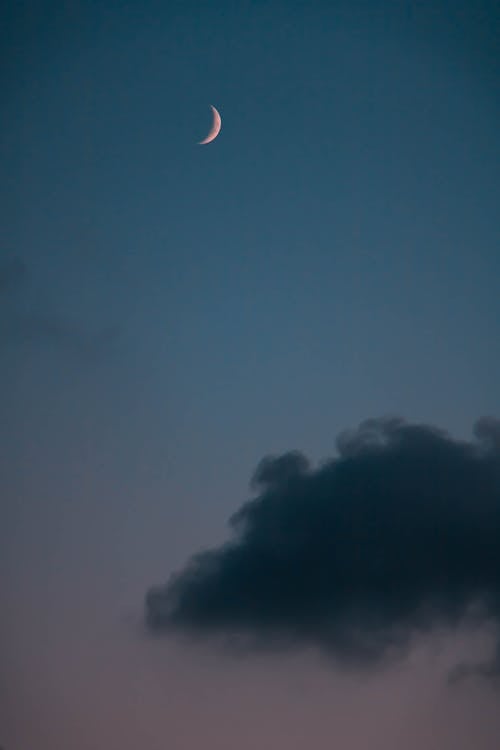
[13, 272]
[24, 322]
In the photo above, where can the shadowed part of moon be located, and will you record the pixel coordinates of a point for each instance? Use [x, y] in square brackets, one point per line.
[215, 129]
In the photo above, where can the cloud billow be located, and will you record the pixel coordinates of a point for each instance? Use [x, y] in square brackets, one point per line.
[396, 534]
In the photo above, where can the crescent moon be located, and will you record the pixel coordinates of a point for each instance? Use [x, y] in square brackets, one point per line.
[215, 129]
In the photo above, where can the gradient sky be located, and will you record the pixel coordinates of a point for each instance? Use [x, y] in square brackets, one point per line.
[171, 313]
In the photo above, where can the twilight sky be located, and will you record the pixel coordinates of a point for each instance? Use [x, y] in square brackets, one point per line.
[171, 314]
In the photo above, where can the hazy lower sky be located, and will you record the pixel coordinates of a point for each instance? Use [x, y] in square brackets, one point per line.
[172, 313]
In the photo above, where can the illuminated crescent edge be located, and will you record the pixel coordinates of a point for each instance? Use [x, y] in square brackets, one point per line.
[215, 130]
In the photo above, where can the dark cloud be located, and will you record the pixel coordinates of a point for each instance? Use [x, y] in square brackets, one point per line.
[398, 533]
[274, 471]
[487, 430]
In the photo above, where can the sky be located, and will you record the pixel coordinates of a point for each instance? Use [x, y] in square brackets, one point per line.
[267, 366]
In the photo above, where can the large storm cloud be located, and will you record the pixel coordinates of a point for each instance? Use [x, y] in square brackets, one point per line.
[398, 533]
